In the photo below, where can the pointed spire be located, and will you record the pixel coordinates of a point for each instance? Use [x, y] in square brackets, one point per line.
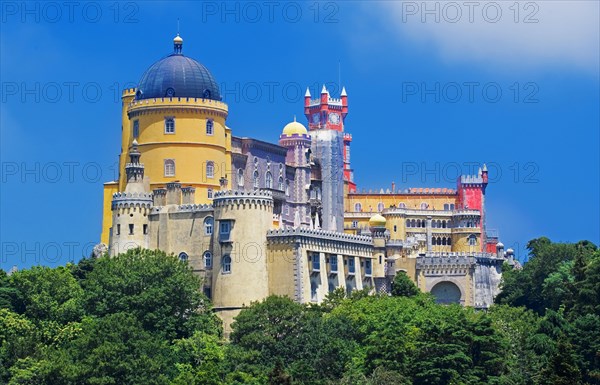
[479, 173]
[307, 94]
[294, 117]
[485, 168]
[344, 92]
[324, 90]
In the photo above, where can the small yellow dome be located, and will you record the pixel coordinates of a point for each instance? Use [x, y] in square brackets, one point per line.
[295, 128]
[178, 39]
[377, 220]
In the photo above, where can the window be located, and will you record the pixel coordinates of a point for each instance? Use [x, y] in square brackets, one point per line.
[402, 205]
[136, 128]
[209, 127]
[169, 125]
[287, 188]
[351, 266]
[316, 261]
[413, 223]
[209, 193]
[434, 224]
[210, 169]
[131, 229]
[226, 264]
[280, 186]
[446, 207]
[118, 229]
[224, 231]
[183, 257]
[451, 206]
[472, 240]
[333, 263]
[368, 267]
[207, 257]
[313, 291]
[169, 167]
[424, 206]
[380, 259]
[408, 223]
[358, 207]
[269, 179]
[395, 228]
[354, 224]
[208, 226]
[380, 206]
[256, 182]
[145, 229]
[331, 287]
[240, 179]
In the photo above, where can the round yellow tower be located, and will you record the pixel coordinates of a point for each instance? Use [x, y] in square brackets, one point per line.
[178, 119]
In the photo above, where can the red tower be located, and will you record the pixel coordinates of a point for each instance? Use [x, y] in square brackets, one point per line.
[327, 113]
[471, 196]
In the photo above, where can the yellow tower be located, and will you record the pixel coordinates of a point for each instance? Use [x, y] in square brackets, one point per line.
[178, 119]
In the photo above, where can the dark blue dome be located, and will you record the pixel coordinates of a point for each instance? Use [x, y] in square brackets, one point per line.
[177, 76]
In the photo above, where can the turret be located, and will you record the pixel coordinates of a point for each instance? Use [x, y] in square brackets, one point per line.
[130, 209]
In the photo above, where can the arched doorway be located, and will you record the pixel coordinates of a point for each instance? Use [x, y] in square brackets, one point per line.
[446, 293]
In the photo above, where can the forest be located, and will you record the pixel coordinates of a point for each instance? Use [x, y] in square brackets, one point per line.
[141, 318]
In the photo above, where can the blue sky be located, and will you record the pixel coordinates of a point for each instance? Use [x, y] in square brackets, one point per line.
[431, 91]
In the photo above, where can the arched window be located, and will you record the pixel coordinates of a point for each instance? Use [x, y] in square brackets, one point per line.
[380, 206]
[439, 224]
[209, 127]
[446, 206]
[408, 223]
[439, 241]
[256, 182]
[443, 241]
[444, 224]
[208, 225]
[424, 206]
[209, 193]
[357, 207]
[402, 205]
[240, 178]
[413, 223]
[434, 224]
[210, 169]
[207, 260]
[169, 167]
[269, 179]
[449, 242]
[472, 240]
[226, 264]
[183, 257]
[280, 186]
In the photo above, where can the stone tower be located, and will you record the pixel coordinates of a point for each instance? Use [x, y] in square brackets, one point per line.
[297, 141]
[326, 124]
[240, 273]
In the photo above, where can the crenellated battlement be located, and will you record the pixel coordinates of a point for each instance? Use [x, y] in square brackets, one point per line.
[471, 179]
[128, 92]
[330, 235]
[231, 197]
[127, 200]
[137, 106]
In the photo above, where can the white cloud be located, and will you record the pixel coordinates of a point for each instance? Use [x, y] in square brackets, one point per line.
[542, 33]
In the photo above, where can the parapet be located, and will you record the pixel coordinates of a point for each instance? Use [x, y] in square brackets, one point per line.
[233, 197]
[173, 193]
[470, 179]
[160, 196]
[177, 102]
[188, 195]
[320, 234]
[127, 200]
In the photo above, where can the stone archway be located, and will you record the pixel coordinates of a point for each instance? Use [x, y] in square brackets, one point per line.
[446, 292]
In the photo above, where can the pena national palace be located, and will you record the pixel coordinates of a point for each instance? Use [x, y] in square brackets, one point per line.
[255, 218]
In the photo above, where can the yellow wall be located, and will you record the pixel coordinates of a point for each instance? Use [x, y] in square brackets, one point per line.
[109, 189]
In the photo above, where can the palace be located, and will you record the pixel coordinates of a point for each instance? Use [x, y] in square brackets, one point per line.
[256, 218]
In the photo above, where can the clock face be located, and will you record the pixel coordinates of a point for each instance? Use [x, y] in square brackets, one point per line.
[315, 118]
[334, 118]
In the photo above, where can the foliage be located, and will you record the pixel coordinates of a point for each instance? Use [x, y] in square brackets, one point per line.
[140, 318]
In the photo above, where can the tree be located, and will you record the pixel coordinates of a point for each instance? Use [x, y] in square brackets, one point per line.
[47, 295]
[158, 289]
[403, 286]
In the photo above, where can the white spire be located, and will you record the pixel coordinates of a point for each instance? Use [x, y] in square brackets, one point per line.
[344, 92]
[484, 167]
[324, 90]
[307, 92]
